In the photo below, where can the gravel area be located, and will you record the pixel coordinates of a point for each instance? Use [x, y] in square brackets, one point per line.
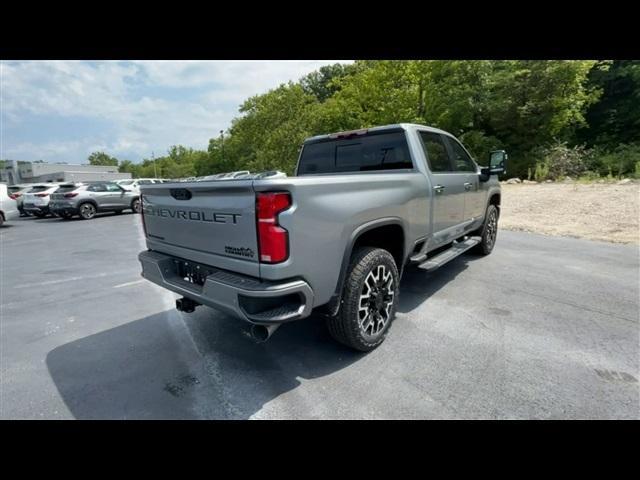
[606, 212]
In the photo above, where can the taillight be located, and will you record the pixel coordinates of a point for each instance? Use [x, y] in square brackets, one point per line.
[14, 196]
[144, 225]
[273, 240]
[70, 195]
[41, 194]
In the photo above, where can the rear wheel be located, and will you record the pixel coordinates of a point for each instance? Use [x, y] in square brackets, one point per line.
[66, 216]
[40, 214]
[136, 206]
[87, 211]
[368, 300]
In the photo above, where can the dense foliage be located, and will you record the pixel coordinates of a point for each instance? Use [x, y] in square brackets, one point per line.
[526, 107]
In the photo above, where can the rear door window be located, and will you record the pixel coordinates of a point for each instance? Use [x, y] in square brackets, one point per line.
[373, 152]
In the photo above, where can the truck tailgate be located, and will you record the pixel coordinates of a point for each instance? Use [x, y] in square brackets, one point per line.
[207, 222]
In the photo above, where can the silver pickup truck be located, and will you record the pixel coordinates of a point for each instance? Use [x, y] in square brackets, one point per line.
[335, 238]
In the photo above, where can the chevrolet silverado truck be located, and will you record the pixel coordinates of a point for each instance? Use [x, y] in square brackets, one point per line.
[334, 238]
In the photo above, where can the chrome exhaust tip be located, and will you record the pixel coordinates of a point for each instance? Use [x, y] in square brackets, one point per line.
[262, 333]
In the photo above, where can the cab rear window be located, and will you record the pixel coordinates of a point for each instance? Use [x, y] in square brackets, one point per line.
[372, 152]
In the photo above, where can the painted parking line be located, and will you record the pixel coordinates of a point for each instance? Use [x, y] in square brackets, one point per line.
[128, 284]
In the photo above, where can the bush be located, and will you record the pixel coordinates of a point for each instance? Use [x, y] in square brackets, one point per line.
[559, 161]
[621, 161]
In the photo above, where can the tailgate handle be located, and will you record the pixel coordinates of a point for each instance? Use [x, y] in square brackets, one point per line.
[180, 193]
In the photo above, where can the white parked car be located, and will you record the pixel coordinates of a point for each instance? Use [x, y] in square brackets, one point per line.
[133, 184]
[8, 206]
[36, 200]
[17, 193]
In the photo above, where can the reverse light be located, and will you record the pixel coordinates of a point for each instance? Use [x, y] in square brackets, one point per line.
[273, 240]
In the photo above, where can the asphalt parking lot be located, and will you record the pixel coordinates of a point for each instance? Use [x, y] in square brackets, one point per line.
[543, 328]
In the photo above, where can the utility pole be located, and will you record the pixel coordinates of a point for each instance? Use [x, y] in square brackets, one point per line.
[155, 173]
[222, 144]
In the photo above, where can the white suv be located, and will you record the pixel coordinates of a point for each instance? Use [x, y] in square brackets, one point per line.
[36, 200]
[8, 206]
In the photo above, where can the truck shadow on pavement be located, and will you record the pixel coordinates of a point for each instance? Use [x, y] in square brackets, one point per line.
[417, 285]
[205, 365]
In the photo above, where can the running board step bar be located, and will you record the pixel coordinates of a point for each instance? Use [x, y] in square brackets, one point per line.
[449, 254]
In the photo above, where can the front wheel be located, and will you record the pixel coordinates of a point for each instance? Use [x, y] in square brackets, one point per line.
[488, 232]
[369, 300]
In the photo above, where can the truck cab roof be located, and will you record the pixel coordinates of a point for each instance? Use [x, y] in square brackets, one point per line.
[364, 131]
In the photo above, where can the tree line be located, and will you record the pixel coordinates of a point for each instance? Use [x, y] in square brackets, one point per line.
[539, 111]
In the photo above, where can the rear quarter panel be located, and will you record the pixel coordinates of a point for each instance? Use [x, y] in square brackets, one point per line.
[327, 209]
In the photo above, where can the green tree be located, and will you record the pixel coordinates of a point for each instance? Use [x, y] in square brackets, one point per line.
[101, 158]
[324, 83]
[615, 118]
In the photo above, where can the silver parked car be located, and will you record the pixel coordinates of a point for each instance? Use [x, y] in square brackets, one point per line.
[87, 199]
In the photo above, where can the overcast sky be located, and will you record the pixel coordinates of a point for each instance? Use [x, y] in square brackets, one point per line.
[60, 111]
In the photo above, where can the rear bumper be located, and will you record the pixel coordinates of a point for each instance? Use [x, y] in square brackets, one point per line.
[11, 214]
[31, 208]
[57, 210]
[255, 301]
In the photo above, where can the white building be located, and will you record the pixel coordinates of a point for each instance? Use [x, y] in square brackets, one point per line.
[33, 172]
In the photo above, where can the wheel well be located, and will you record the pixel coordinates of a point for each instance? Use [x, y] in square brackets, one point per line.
[495, 200]
[389, 237]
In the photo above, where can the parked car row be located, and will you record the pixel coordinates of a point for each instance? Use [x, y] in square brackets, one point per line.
[66, 200]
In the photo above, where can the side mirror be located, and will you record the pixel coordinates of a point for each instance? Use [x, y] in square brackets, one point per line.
[498, 162]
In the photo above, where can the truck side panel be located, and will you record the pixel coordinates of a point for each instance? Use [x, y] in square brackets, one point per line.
[326, 211]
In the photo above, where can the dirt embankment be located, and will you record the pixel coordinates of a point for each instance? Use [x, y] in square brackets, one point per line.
[606, 212]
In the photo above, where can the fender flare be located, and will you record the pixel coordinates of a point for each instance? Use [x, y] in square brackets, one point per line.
[333, 304]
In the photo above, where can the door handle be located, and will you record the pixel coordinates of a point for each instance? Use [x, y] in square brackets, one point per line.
[439, 188]
[468, 185]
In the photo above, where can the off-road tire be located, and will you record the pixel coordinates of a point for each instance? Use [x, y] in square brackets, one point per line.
[346, 326]
[87, 210]
[488, 232]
